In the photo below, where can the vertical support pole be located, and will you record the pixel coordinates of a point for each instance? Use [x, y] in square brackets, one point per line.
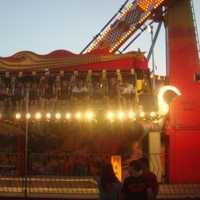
[26, 161]
[155, 153]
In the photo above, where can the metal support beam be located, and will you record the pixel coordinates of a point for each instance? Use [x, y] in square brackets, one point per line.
[107, 24]
[131, 42]
[154, 41]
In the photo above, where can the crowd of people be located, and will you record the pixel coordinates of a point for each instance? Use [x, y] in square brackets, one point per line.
[64, 90]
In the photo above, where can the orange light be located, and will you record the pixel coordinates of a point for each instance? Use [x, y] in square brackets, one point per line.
[146, 4]
[117, 166]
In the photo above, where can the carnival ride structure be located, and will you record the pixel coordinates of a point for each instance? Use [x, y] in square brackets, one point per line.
[100, 60]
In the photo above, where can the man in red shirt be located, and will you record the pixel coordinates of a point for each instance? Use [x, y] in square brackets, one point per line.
[135, 186]
[149, 176]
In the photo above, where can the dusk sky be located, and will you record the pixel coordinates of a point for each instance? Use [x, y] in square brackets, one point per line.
[43, 26]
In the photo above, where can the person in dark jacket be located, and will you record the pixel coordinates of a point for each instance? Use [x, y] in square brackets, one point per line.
[109, 184]
[136, 185]
[150, 176]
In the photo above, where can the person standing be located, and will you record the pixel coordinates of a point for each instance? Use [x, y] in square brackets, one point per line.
[149, 176]
[109, 184]
[136, 186]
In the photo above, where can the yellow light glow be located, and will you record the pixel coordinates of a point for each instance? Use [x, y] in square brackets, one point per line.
[121, 115]
[28, 115]
[156, 121]
[18, 116]
[142, 114]
[110, 115]
[152, 114]
[48, 115]
[89, 115]
[145, 4]
[162, 105]
[129, 5]
[68, 115]
[58, 115]
[78, 115]
[38, 115]
[131, 114]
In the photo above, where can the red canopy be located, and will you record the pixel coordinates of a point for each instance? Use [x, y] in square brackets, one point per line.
[67, 61]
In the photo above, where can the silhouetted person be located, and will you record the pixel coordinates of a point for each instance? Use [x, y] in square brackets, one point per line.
[136, 185]
[109, 183]
[149, 176]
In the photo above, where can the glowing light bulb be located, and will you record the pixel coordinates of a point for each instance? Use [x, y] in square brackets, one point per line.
[110, 115]
[48, 115]
[152, 114]
[131, 114]
[68, 116]
[142, 114]
[58, 116]
[38, 116]
[89, 115]
[78, 115]
[121, 115]
[18, 116]
[28, 116]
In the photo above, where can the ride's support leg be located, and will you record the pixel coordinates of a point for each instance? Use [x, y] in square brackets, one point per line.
[154, 154]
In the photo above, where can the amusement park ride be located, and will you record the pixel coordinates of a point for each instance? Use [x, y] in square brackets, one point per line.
[101, 59]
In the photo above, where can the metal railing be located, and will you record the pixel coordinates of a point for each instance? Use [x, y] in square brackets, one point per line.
[68, 164]
[58, 184]
[8, 164]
